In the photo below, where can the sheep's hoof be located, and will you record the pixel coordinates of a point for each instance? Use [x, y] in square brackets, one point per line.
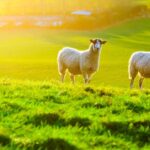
[86, 82]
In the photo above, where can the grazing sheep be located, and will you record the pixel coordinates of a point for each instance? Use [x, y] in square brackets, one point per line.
[80, 62]
[139, 63]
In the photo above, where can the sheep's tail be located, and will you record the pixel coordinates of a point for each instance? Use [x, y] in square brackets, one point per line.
[132, 71]
[61, 66]
[129, 70]
[59, 63]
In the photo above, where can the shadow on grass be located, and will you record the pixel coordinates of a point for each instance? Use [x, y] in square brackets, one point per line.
[50, 119]
[136, 108]
[54, 119]
[110, 144]
[116, 111]
[56, 98]
[100, 93]
[52, 98]
[13, 106]
[138, 132]
[4, 140]
[8, 108]
[90, 90]
[52, 144]
[45, 87]
[96, 105]
[81, 122]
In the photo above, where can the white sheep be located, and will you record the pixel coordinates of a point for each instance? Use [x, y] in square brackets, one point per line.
[80, 62]
[139, 63]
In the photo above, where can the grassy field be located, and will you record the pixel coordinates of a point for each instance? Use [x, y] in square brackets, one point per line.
[44, 114]
[31, 53]
[50, 115]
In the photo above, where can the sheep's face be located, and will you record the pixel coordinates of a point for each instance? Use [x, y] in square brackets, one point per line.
[97, 43]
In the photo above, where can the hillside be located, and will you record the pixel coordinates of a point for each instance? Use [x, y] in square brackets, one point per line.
[31, 54]
[50, 115]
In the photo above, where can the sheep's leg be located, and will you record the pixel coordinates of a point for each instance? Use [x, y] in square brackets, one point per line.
[62, 76]
[140, 83]
[131, 83]
[89, 78]
[86, 79]
[132, 74]
[62, 71]
[72, 78]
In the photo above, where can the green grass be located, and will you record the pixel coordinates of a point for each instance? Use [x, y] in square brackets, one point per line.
[50, 115]
[31, 53]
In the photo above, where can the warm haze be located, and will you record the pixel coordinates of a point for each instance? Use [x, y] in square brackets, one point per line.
[37, 111]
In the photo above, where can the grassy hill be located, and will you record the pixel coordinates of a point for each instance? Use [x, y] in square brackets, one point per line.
[50, 115]
[31, 53]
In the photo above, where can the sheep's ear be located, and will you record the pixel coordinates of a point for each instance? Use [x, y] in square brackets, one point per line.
[103, 42]
[91, 40]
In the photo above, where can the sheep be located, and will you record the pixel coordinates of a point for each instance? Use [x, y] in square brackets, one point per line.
[139, 63]
[80, 62]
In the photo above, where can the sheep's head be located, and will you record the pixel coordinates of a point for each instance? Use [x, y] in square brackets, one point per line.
[96, 44]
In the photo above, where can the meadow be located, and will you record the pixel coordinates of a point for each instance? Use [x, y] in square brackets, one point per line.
[54, 116]
[31, 54]
[37, 112]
